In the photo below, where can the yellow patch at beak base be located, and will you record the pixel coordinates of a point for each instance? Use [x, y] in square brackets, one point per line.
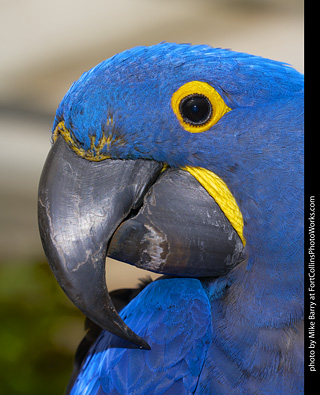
[94, 154]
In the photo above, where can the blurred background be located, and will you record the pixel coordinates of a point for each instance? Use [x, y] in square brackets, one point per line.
[45, 46]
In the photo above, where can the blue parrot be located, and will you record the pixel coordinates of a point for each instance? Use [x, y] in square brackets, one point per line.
[185, 160]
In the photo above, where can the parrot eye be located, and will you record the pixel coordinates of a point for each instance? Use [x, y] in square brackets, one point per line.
[195, 109]
[198, 106]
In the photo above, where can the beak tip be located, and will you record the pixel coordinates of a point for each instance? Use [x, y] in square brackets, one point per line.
[145, 345]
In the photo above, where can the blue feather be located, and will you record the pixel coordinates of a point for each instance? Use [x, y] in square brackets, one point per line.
[177, 328]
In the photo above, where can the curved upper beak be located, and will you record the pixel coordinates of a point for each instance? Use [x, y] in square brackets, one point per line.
[85, 209]
[80, 205]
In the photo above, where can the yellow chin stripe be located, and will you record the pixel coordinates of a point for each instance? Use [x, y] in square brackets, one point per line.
[221, 194]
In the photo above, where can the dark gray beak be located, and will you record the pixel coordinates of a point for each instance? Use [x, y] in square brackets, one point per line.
[165, 222]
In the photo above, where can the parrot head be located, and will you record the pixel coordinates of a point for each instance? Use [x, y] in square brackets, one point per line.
[168, 158]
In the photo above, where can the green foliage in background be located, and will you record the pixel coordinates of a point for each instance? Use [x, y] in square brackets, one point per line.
[39, 331]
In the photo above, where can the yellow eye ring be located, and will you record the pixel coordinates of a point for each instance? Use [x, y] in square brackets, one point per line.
[198, 106]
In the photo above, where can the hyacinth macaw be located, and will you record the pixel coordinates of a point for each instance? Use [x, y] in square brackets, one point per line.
[186, 161]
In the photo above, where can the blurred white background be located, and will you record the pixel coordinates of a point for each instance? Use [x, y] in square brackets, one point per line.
[46, 45]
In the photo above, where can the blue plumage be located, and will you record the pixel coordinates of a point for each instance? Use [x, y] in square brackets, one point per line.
[178, 330]
[240, 333]
[195, 348]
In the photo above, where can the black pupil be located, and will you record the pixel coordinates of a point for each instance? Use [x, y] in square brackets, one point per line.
[196, 109]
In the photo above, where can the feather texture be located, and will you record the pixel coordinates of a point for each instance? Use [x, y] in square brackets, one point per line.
[178, 331]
